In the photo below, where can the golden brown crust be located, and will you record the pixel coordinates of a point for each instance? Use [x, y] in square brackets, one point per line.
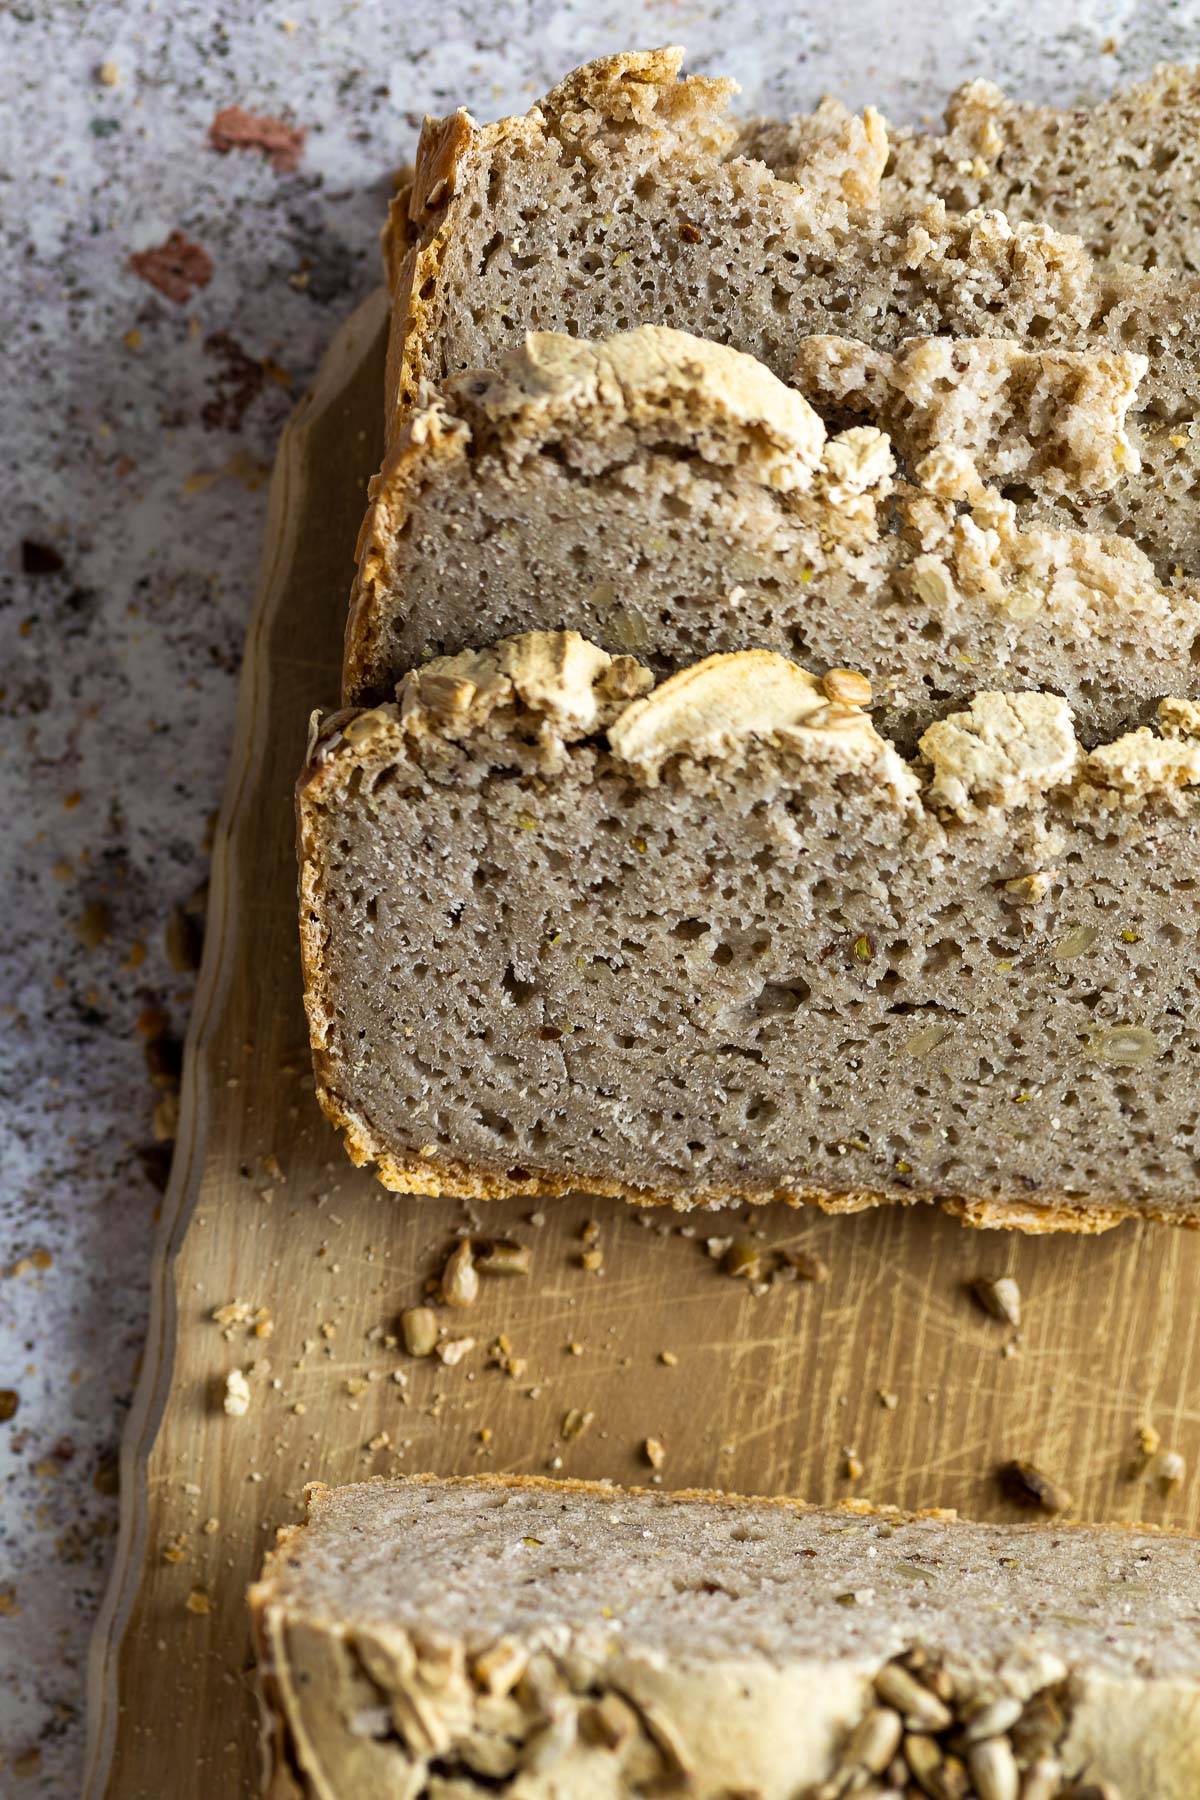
[442, 147]
[500, 1480]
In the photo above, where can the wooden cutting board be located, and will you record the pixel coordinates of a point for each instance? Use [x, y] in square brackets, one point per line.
[762, 1391]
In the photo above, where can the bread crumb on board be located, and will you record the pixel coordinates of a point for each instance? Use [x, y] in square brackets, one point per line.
[237, 1394]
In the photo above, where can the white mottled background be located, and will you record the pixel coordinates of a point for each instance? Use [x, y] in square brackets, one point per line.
[136, 432]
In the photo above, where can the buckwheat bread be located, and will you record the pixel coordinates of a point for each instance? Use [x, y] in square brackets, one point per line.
[1123, 175]
[556, 1639]
[625, 198]
[670, 496]
[716, 939]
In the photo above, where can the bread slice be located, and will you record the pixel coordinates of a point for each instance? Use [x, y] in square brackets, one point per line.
[669, 496]
[622, 199]
[555, 1639]
[717, 940]
[1123, 175]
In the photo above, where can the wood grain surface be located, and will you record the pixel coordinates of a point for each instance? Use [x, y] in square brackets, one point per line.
[769, 1390]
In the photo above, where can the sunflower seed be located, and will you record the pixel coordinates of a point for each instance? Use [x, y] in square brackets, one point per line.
[999, 1296]
[875, 1739]
[992, 1719]
[924, 1757]
[994, 1769]
[460, 1283]
[1039, 1729]
[953, 1782]
[610, 1722]
[921, 1709]
[498, 1670]
[847, 686]
[1028, 1485]
[1043, 1779]
[550, 1745]
[500, 1256]
[420, 1330]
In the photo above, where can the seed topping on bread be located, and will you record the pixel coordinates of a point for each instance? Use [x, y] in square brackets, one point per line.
[1056, 416]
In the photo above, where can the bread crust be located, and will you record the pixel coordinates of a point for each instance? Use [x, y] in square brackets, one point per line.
[407, 464]
[499, 1481]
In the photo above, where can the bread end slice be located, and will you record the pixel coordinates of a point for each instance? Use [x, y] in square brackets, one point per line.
[569, 1637]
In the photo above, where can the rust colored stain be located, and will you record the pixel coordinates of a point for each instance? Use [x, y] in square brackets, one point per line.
[176, 269]
[233, 129]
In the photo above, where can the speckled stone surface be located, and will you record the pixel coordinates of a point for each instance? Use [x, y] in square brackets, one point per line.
[138, 412]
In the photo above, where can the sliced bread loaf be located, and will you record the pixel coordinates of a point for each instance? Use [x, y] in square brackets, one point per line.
[565, 1639]
[622, 199]
[719, 940]
[669, 496]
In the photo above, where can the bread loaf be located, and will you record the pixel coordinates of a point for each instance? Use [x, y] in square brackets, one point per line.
[623, 199]
[671, 497]
[567, 1641]
[716, 939]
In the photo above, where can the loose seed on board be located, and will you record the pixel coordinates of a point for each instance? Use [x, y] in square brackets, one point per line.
[500, 1256]
[1030, 1487]
[999, 1296]
[1167, 1468]
[419, 1328]
[742, 1258]
[460, 1282]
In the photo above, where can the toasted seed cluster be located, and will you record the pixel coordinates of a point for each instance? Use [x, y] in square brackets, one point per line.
[929, 1735]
